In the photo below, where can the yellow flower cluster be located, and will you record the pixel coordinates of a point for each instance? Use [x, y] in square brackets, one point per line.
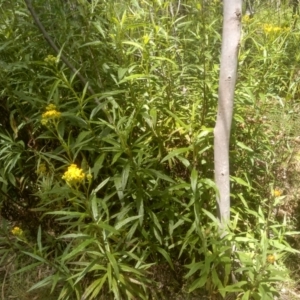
[17, 231]
[51, 59]
[89, 177]
[73, 175]
[271, 258]
[277, 193]
[269, 28]
[42, 169]
[50, 114]
[246, 19]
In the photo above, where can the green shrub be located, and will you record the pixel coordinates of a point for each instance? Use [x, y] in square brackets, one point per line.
[109, 189]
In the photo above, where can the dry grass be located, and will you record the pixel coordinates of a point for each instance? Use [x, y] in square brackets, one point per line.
[16, 286]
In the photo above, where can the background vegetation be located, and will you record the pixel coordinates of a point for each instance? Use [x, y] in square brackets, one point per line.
[111, 195]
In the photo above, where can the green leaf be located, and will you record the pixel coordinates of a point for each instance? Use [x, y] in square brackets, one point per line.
[175, 153]
[113, 263]
[153, 114]
[184, 161]
[136, 45]
[236, 287]
[204, 132]
[61, 129]
[100, 185]
[292, 233]
[159, 175]
[81, 139]
[98, 25]
[280, 246]
[164, 59]
[121, 73]
[72, 214]
[84, 93]
[94, 288]
[194, 179]
[246, 296]
[39, 239]
[157, 235]
[173, 227]
[216, 281]
[98, 164]
[80, 248]
[187, 127]
[198, 283]
[118, 186]
[125, 174]
[244, 202]
[240, 181]
[155, 220]
[56, 157]
[105, 226]
[27, 268]
[132, 230]
[120, 224]
[45, 282]
[243, 146]
[37, 257]
[165, 254]
[194, 267]
[94, 206]
[211, 216]
[90, 267]
[73, 236]
[135, 77]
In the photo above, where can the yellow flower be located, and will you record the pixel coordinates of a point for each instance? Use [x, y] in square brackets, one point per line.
[246, 19]
[271, 258]
[277, 193]
[73, 175]
[51, 106]
[50, 114]
[50, 59]
[146, 39]
[17, 231]
[269, 28]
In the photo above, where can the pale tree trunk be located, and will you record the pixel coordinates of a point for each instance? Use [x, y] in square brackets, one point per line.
[232, 12]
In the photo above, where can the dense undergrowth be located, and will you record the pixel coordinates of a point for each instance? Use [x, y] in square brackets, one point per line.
[111, 195]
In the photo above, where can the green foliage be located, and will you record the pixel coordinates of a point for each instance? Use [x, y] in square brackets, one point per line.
[107, 188]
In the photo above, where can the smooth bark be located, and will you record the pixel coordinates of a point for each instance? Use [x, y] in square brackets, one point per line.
[232, 12]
